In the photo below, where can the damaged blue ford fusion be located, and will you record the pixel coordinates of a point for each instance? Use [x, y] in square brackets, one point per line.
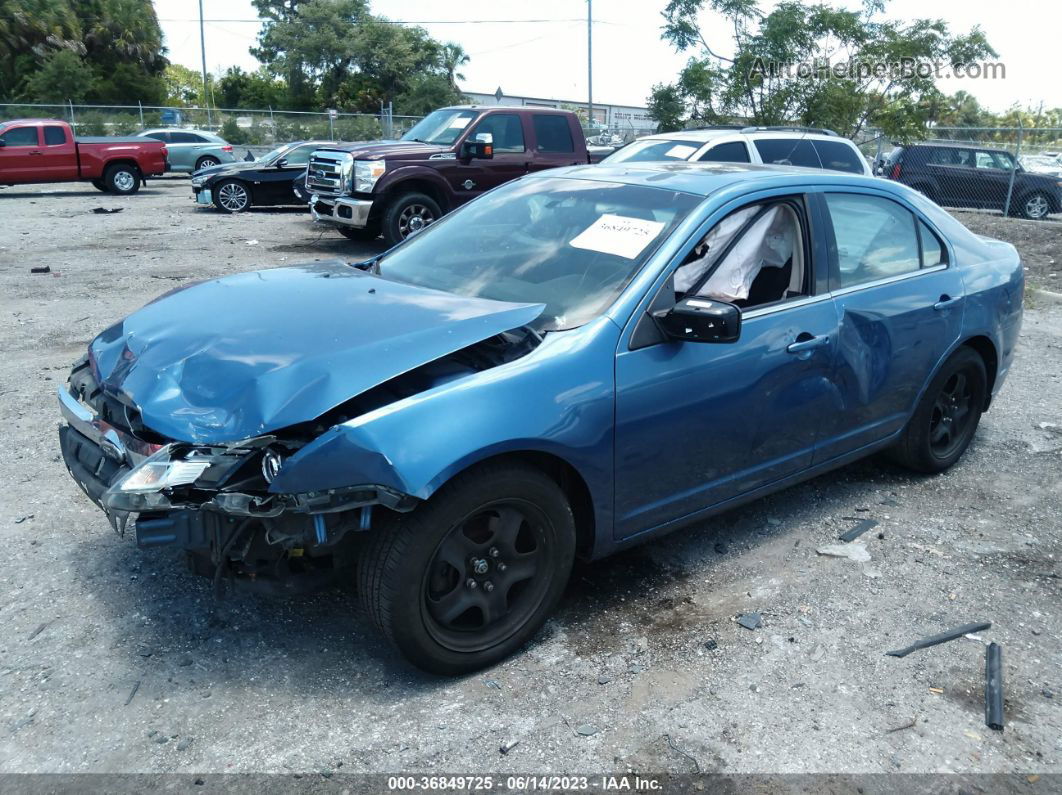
[573, 363]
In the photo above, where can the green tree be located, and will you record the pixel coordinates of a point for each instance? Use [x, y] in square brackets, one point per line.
[452, 57]
[240, 89]
[667, 107]
[184, 86]
[813, 64]
[63, 76]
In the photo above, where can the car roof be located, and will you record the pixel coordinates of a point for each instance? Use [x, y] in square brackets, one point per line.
[178, 129]
[531, 108]
[704, 179]
[952, 145]
[710, 134]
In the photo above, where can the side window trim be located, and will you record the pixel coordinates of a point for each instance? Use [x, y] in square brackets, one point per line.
[833, 261]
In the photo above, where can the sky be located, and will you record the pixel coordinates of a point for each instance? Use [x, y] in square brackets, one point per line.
[548, 58]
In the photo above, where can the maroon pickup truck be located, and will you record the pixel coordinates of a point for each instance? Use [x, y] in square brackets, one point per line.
[396, 188]
[45, 150]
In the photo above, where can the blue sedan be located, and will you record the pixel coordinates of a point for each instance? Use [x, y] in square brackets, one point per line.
[576, 362]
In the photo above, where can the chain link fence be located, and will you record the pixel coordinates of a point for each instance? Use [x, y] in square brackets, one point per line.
[237, 126]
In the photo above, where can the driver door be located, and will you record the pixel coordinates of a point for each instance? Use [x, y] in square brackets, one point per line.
[511, 157]
[699, 423]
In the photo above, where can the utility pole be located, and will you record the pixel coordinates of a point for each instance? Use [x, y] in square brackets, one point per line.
[589, 65]
[202, 47]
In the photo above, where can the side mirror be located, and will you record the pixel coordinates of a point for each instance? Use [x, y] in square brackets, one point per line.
[700, 320]
[479, 147]
[282, 162]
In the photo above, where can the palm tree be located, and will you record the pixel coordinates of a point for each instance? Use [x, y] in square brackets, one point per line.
[453, 57]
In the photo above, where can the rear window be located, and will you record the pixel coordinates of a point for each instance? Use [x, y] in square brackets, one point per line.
[788, 152]
[54, 136]
[839, 156]
[733, 152]
[552, 133]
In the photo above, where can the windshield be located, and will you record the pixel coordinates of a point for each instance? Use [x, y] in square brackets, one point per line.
[274, 154]
[440, 127]
[570, 244]
[657, 149]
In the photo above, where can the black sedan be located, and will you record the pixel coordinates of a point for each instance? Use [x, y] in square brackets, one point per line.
[268, 181]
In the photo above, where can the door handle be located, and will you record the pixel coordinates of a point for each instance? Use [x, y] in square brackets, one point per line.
[946, 302]
[36, 153]
[807, 345]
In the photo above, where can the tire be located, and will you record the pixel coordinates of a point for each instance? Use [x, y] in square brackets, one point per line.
[206, 162]
[1035, 206]
[366, 235]
[231, 196]
[946, 419]
[122, 178]
[407, 214]
[414, 573]
[99, 185]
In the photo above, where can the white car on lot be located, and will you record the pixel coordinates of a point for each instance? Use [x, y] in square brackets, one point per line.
[791, 146]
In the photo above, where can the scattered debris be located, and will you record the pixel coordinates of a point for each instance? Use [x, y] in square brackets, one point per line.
[857, 552]
[943, 637]
[909, 725]
[37, 631]
[507, 746]
[107, 210]
[858, 530]
[937, 690]
[587, 730]
[1047, 693]
[603, 679]
[185, 661]
[41, 269]
[184, 744]
[252, 242]
[972, 734]
[994, 687]
[818, 653]
[492, 684]
[677, 750]
[711, 644]
[750, 620]
[132, 693]
[21, 519]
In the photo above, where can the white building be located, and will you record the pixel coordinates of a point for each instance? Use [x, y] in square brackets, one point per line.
[625, 120]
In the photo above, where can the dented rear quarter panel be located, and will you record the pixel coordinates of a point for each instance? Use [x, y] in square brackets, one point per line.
[557, 400]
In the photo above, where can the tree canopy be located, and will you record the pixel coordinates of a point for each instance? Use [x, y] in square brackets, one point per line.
[105, 51]
[740, 75]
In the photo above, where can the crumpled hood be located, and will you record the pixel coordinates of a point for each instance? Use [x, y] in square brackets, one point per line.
[251, 353]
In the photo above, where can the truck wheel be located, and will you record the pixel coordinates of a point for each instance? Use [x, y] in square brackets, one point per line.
[207, 162]
[468, 577]
[366, 235]
[98, 185]
[232, 196]
[947, 416]
[407, 215]
[122, 179]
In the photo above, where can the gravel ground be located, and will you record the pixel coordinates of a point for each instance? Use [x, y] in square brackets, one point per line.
[117, 660]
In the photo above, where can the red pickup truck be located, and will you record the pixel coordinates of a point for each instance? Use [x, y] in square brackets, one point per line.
[45, 150]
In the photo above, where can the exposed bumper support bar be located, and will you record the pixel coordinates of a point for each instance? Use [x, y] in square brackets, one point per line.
[340, 211]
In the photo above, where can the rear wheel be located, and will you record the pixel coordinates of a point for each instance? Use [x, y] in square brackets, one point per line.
[408, 214]
[122, 179]
[1035, 206]
[232, 196]
[469, 576]
[947, 416]
[207, 162]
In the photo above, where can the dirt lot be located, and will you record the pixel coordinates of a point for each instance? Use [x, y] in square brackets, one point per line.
[113, 659]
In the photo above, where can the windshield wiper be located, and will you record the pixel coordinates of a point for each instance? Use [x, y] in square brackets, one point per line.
[371, 265]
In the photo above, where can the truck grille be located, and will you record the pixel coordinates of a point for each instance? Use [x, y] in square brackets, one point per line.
[328, 172]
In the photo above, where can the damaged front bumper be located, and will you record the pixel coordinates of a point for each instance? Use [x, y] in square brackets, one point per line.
[203, 498]
[340, 211]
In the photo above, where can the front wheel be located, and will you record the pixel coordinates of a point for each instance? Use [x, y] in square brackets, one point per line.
[232, 196]
[469, 576]
[408, 214]
[1036, 206]
[122, 179]
[99, 185]
[947, 416]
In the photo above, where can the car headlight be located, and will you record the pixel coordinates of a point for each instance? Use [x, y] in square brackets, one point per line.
[367, 173]
[197, 182]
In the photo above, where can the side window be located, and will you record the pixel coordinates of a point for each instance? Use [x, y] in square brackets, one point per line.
[299, 156]
[933, 251]
[875, 237]
[186, 138]
[552, 133]
[54, 136]
[20, 136]
[732, 152]
[839, 156]
[160, 136]
[788, 152]
[753, 257]
[506, 129]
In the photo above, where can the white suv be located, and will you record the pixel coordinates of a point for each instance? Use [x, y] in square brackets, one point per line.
[791, 146]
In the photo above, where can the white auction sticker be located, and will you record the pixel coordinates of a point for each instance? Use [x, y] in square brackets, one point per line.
[680, 151]
[460, 123]
[619, 235]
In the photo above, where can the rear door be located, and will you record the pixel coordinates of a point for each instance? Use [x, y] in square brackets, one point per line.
[952, 168]
[20, 156]
[899, 305]
[512, 157]
[59, 155]
[553, 142]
